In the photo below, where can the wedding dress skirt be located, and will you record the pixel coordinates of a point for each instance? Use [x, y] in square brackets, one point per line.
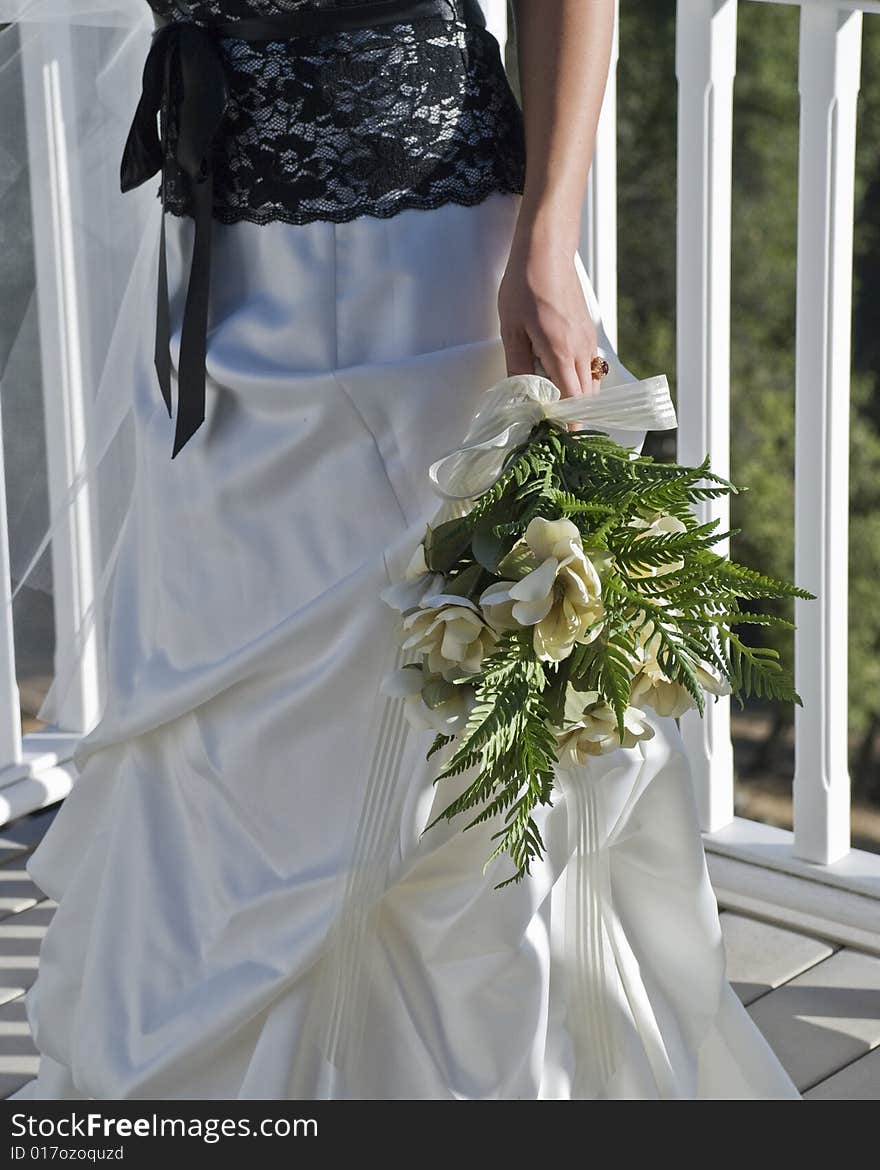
[195, 859]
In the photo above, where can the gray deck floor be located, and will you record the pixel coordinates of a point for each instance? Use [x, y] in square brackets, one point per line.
[819, 1006]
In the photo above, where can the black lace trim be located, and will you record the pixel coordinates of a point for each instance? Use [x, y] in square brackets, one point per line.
[365, 122]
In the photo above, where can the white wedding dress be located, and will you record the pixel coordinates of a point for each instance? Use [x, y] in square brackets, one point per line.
[197, 860]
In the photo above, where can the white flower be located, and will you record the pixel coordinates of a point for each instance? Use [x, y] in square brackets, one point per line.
[559, 593]
[652, 688]
[417, 566]
[662, 525]
[415, 584]
[666, 698]
[450, 631]
[590, 728]
[708, 681]
[430, 702]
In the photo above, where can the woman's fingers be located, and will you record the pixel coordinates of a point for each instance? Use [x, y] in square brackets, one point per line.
[572, 375]
[589, 384]
[518, 352]
[561, 369]
[586, 389]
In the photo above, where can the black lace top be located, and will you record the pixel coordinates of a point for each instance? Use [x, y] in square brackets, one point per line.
[362, 122]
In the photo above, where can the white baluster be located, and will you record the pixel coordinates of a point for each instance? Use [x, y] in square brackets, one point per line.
[828, 82]
[46, 51]
[10, 707]
[496, 20]
[705, 65]
[598, 242]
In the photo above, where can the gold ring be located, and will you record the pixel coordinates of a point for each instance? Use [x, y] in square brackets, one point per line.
[599, 367]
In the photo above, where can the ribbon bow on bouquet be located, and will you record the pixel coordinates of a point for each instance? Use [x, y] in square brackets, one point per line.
[564, 589]
[509, 410]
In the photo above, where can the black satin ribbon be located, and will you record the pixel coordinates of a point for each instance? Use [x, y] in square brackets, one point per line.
[184, 77]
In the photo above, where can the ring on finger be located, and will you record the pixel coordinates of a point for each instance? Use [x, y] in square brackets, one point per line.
[598, 368]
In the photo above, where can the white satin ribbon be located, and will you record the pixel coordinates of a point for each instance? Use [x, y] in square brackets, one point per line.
[591, 977]
[508, 410]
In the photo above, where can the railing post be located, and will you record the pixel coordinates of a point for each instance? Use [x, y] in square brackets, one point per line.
[705, 64]
[496, 20]
[10, 705]
[46, 60]
[828, 83]
[598, 242]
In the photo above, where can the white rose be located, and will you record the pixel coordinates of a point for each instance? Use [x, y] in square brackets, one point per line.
[652, 688]
[662, 525]
[418, 566]
[430, 702]
[559, 593]
[594, 730]
[417, 580]
[709, 682]
[450, 631]
[666, 698]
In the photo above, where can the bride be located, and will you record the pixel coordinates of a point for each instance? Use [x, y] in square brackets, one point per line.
[358, 232]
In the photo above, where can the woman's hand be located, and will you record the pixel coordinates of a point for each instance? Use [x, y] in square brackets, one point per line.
[564, 50]
[544, 317]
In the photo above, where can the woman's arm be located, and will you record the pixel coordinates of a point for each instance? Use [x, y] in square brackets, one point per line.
[564, 49]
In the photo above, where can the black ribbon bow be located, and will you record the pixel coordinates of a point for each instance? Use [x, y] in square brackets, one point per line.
[184, 69]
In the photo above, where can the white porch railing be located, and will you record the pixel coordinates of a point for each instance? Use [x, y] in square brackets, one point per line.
[36, 769]
[828, 83]
[830, 40]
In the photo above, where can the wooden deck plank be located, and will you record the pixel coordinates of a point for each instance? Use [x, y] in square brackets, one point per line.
[17, 891]
[825, 1018]
[18, 1057]
[859, 1081]
[24, 834]
[20, 939]
[761, 957]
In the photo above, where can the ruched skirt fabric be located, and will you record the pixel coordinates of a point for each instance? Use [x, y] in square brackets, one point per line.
[195, 860]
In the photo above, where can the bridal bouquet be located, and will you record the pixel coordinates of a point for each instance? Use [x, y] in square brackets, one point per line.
[571, 590]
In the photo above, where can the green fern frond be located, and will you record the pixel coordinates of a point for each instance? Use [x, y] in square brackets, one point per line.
[756, 670]
[440, 741]
[749, 583]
